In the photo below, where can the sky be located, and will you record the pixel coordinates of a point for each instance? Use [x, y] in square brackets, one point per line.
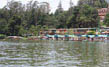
[53, 3]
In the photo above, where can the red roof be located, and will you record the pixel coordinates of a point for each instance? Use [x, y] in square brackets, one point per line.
[103, 11]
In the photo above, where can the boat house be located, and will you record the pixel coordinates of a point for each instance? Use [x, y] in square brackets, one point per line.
[102, 13]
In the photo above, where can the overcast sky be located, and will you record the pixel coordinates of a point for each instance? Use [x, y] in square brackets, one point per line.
[53, 3]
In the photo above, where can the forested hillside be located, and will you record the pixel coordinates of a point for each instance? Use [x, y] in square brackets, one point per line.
[19, 19]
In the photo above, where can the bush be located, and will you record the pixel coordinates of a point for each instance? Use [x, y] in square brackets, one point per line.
[2, 36]
[91, 33]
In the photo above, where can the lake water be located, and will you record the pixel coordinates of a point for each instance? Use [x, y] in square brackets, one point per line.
[54, 54]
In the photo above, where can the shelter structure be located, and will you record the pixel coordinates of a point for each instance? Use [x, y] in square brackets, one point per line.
[102, 13]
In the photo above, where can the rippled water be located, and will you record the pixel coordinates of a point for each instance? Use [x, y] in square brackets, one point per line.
[54, 54]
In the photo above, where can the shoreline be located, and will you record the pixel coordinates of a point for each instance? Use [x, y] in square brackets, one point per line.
[45, 38]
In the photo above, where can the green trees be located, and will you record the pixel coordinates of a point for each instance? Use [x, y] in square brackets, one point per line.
[83, 17]
[18, 19]
[15, 25]
[61, 19]
[3, 26]
[106, 21]
[94, 3]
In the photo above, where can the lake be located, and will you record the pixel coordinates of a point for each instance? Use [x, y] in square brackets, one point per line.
[54, 54]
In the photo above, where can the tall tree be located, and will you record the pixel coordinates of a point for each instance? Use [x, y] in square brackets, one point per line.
[94, 3]
[15, 25]
[71, 4]
[106, 21]
[85, 17]
[59, 9]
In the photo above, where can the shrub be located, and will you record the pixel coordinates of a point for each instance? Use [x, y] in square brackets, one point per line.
[2, 36]
[91, 33]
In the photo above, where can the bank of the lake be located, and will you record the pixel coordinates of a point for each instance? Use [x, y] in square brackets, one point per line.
[96, 38]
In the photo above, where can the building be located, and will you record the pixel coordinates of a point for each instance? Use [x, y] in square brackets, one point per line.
[45, 7]
[102, 13]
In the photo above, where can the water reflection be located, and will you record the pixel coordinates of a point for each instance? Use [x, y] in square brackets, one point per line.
[54, 54]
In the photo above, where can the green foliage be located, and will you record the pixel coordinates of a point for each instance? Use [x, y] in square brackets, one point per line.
[33, 30]
[94, 3]
[3, 26]
[106, 21]
[83, 17]
[15, 25]
[18, 20]
[2, 36]
[62, 19]
[91, 33]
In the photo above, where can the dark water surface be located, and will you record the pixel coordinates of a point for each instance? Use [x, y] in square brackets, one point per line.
[54, 54]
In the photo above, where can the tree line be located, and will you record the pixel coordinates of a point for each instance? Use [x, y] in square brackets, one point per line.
[19, 19]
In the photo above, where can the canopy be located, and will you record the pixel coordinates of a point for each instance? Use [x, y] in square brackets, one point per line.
[84, 35]
[60, 35]
[72, 36]
[102, 35]
[50, 35]
[66, 35]
[91, 36]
